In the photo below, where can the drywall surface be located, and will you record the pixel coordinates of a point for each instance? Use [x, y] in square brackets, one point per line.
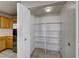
[32, 47]
[47, 30]
[78, 31]
[68, 16]
[4, 14]
[23, 37]
[30, 4]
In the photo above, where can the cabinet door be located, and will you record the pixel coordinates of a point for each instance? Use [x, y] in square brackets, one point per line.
[2, 43]
[5, 22]
[0, 21]
[11, 23]
[14, 20]
[9, 42]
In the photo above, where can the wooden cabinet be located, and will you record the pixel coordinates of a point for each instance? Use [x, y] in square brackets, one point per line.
[9, 42]
[2, 43]
[14, 20]
[6, 22]
[11, 23]
[6, 42]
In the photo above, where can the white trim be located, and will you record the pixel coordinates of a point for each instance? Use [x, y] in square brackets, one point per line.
[76, 29]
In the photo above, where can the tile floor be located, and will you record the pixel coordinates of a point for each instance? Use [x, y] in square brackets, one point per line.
[8, 54]
[40, 53]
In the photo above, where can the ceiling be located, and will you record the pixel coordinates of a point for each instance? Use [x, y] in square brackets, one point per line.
[8, 7]
[30, 4]
[40, 10]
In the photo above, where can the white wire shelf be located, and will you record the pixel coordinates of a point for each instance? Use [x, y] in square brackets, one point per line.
[48, 23]
[41, 42]
[48, 31]
[46, 37]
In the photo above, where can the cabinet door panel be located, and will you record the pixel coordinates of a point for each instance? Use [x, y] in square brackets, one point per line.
[6, 22]
[11, 24]
[3, 22]
[9, 42]
[2, 44]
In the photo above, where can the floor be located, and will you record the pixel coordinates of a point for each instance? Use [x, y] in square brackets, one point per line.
[8, 54]
[40, 53]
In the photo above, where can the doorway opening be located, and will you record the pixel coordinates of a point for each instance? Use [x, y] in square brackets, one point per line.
[49, 37]
[52, 31]
[46, 31]
[8, 29]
